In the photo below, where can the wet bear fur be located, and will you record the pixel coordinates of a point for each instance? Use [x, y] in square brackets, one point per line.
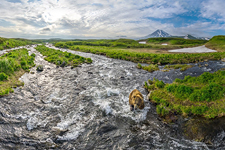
[136, 100]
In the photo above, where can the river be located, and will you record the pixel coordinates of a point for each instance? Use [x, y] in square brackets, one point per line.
[87, 108]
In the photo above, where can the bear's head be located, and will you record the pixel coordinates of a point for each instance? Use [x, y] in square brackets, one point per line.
[138, 102]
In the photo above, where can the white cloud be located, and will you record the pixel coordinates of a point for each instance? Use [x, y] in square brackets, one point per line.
[84, 18]
[213, 9]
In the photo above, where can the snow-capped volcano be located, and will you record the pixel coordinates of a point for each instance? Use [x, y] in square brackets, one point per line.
[158, 33]
[188, 36]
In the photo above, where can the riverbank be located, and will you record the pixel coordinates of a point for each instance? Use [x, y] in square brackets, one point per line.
[13, 65]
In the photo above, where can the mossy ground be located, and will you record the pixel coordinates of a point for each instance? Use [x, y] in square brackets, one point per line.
[12, 66]
[62, 58]
[203, 95]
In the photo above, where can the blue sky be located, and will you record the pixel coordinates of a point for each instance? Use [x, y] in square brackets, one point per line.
[110, 18]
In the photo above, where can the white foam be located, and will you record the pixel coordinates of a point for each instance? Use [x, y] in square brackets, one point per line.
[112, 92]
[113, 102]
[76, 125]
[128, 73]
[206, 69]
[104, 105]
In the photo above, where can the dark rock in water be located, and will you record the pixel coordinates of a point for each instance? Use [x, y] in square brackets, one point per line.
[107, 128]
[122, 78]
[202, 129]
[40, 68]
[59, 131]
[63, 64]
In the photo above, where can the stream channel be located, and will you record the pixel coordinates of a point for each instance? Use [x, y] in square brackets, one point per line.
[87, 108]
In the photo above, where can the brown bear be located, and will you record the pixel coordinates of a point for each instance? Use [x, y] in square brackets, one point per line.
[136, 100]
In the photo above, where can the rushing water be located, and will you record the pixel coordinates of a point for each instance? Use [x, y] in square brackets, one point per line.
[87, 108]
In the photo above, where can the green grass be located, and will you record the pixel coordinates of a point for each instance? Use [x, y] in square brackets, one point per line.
[217, 43]
[175, 41]
[11, 43]
[149, 58]
[150, 68]
[130, 50]
[12, 66]
[203, 95]
[152, 43]
[59, 58]
[178, 66]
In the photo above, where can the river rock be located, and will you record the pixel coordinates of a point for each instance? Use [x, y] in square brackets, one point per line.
[40, 68]
[63, 64]
[107, 128]
[59, 131]
[223, 59]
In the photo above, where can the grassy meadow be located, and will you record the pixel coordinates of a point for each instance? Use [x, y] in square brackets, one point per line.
[62, 58]
[11, 43]
[143, 57]
[151, 43]
[217, 43]
[12, 66]
[203, 95]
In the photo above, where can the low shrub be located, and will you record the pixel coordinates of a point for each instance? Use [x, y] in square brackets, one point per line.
[3, 76]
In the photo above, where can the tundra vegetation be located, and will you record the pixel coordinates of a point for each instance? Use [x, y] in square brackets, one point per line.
[154, 67]
[150, 68]
[203, 95]
[217, 43]
[62, 58]
[152, 43]
[12, 66]
[131, 50]
[11, 43]
[182, 67]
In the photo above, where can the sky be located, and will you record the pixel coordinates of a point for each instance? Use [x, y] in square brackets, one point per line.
[70, 19]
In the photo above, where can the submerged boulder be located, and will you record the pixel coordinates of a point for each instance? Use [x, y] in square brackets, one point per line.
[63, 64]
[202, 129]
